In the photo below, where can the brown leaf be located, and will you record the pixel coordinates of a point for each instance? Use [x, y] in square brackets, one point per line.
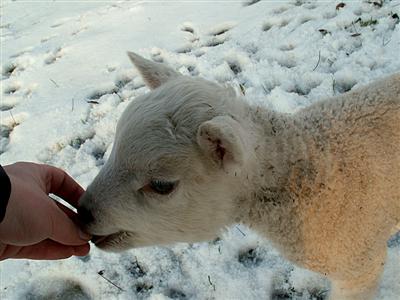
[323, 31]
[340, 5]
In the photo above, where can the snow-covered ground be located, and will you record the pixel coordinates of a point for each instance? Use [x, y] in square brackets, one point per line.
[66, 80]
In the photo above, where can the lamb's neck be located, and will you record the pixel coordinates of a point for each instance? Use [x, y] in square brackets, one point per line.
[281, 153]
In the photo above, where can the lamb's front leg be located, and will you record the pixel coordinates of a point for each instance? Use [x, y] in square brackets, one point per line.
[363, 287]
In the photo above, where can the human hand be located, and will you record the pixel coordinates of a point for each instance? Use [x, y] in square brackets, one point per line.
[35, 226]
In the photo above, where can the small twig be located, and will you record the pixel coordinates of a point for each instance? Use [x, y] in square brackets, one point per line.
[319, 59]
[322, 293]
[93, 102]
[265, 89]
[209, 280]
[15, 122]
[333, 85]
[237, 227]
[109, 281]
[72, 104]
[354, 27]
[119, 96]
[242, 89]
[55, 83]
[385, 43]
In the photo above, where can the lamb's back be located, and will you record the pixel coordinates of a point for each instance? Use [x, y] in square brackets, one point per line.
[354, 145]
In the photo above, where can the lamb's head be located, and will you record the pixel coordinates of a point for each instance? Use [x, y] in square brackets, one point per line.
[176, 166]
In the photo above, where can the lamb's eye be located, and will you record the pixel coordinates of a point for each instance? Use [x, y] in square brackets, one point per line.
[162, 187]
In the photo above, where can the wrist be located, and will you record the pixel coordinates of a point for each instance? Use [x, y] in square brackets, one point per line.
[3, 248]
[5, 192]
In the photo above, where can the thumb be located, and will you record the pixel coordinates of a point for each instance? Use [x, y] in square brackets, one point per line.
[65, 231]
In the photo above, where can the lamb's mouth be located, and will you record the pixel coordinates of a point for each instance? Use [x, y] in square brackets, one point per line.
[115, 238]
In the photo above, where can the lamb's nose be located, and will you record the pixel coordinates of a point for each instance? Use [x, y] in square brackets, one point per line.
[84, 215]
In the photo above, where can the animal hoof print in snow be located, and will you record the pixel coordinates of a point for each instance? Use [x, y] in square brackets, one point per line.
[59, 288]
[250, 258]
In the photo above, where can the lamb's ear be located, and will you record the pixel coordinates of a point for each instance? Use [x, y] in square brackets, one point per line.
[154, 74]
[222, 140]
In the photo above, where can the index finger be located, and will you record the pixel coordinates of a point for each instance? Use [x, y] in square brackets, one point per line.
[61, 184]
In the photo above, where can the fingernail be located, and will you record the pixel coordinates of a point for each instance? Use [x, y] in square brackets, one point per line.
[84, 236]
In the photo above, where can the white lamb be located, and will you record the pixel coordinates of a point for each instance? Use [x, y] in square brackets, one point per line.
[191, 157]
